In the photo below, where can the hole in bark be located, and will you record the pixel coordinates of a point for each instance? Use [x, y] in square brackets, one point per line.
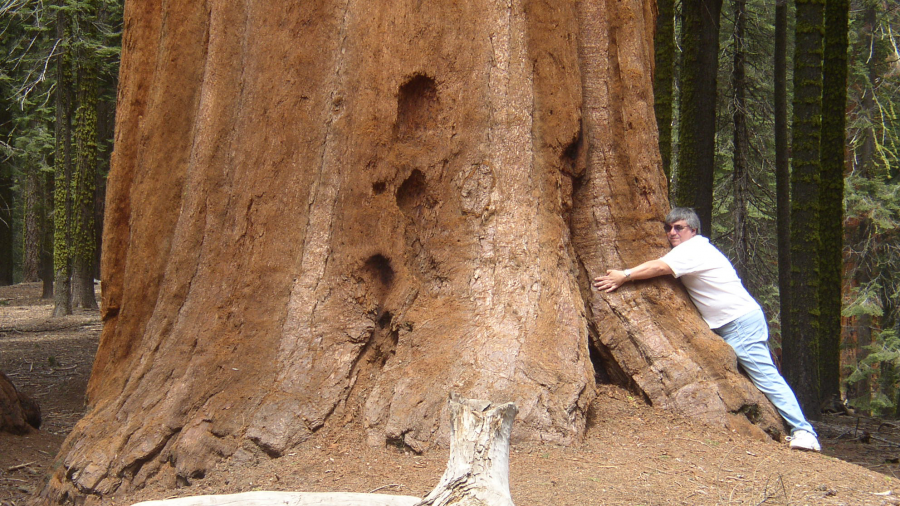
[412, 194]
[600, 374]
[572, 150]
[607, 370]
[417, 105]
[385, 319]
[379, 187]
[379, 267]
[400, 445]
[573, 158]
[751, 411]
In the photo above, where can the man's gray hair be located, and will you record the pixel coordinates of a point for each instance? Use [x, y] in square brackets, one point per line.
[684, 213]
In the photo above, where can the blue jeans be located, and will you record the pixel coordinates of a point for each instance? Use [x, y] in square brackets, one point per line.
[748, 336]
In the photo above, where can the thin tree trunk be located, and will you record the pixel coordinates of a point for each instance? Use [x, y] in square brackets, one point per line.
[32, 225]
[84, 182]
[697, 116]
[834, 105]
[7, 255]
[869, 110]
[62, 206]
[47, 235]
[740, 174]
[782, 170]
[663, 79]
[802, 350]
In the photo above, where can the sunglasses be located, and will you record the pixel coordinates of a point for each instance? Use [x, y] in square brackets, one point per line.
[678, 228]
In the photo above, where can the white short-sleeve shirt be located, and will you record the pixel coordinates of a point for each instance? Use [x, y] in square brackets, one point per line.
[711, 281]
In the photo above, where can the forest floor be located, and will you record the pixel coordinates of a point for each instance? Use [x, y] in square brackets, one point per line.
[633, 454]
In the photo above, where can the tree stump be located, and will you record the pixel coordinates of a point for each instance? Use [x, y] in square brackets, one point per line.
[19, 414]
[477, 471]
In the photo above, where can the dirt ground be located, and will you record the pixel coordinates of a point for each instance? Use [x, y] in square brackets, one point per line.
[633, 454]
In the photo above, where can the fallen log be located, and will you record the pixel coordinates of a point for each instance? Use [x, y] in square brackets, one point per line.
[477, 471]
[289, 499]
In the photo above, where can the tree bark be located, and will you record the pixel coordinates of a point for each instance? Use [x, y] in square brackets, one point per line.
[831, 262]
[62, 199]
[341, 210]
[7, 205]
[801, 351]
[33, 224]
[740, 156]
[664, 79]
[697, 116]
[477, 471]
[6, 229]
[782, 170]
[84, 184]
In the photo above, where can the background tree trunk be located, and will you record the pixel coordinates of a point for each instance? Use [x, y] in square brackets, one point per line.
[33, 224]
[740, 171]
[782, 169]
[664, 79]
[62, 199]
[7, 254]
[801, 351]
[84, 184]
[697, 117]
[332, 211]
[831, 197]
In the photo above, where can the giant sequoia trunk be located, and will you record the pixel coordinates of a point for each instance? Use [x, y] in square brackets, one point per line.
[323, 211]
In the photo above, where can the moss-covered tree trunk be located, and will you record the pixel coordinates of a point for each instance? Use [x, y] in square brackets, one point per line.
[834, 106]
[62, 180]
[697, 107]
[84, 183]
[801, 350]
[327, 213]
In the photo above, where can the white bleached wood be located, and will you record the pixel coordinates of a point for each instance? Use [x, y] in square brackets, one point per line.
[289, 499]
[478, 469]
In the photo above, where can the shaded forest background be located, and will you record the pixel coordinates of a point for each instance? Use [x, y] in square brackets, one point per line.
[757, 162]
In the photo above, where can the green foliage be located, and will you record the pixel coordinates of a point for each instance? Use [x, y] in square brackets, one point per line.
[872, 201]
[758, 47]
[882, 363]
[44, 47]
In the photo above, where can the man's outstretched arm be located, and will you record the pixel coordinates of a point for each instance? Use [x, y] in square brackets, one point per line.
[614, 279]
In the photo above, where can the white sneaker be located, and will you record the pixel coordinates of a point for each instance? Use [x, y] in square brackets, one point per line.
[804, 440]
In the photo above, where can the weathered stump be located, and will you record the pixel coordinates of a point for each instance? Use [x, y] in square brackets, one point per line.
[19, 414]
[477, 471]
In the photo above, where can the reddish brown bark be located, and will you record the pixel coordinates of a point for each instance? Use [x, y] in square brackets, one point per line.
[328, 211]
